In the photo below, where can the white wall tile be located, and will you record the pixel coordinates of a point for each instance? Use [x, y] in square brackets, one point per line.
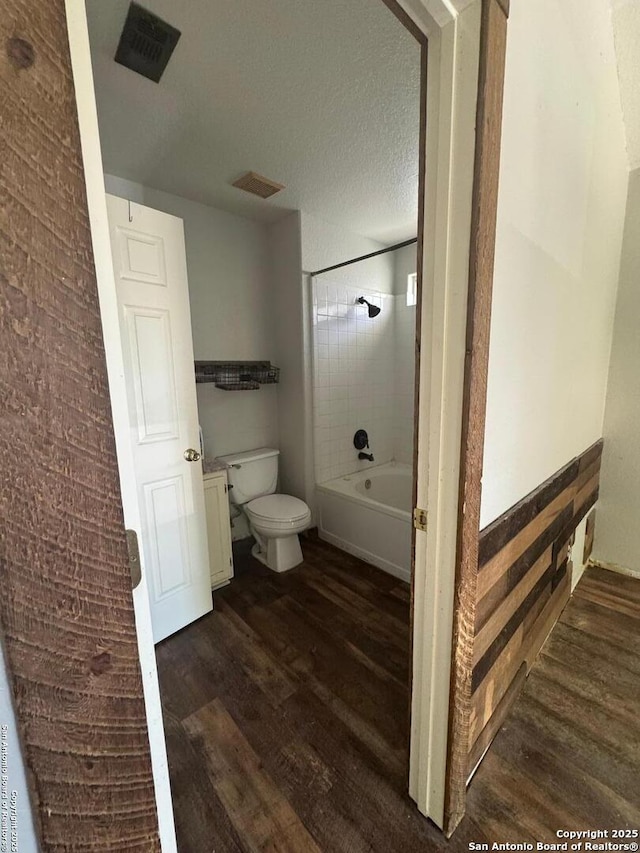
[369, 378]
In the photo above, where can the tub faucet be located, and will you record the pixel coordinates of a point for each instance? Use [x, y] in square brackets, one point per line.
[367, 456]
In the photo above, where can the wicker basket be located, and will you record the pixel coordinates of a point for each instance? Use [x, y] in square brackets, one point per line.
[237, 375]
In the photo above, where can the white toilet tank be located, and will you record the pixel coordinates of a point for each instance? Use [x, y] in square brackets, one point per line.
[252, 474]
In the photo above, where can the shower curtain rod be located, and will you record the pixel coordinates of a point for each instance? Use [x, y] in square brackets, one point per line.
[366, 257]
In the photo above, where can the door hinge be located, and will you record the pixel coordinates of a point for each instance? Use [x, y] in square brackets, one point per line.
[420, 518]
[134, 558]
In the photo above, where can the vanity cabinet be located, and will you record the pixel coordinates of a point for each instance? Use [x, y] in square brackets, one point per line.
[218, 528]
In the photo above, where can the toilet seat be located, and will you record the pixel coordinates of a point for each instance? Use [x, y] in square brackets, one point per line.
[275, 521]
[278, 511]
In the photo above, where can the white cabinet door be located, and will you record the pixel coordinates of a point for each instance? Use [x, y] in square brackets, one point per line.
[155, 324]
[218, 528]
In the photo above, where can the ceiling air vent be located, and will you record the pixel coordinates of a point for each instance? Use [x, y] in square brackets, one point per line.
[257, 185]
[146, 43]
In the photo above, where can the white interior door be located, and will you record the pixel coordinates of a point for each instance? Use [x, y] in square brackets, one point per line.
[155, 324]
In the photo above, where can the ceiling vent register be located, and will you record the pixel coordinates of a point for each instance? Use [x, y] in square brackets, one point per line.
[146, 43]
[257, 185]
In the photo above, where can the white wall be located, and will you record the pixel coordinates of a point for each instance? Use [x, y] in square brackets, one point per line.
[626, 32]
[404, 379]
[291, 318]
[15, 769]
[324, 245]
[232, 313]
[405, 263]
[618, 521]
[405, 357]
[577, 552]
[563, 179]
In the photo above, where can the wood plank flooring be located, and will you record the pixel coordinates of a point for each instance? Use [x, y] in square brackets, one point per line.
[286, 714]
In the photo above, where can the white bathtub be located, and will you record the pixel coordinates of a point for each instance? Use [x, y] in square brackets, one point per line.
[369, 514]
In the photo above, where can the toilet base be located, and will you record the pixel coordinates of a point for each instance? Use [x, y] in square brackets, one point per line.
[282, 553]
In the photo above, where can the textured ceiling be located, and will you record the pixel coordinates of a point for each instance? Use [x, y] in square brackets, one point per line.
[320, 96]
[626, 32]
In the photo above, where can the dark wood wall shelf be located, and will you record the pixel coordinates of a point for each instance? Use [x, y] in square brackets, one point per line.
[237, 375]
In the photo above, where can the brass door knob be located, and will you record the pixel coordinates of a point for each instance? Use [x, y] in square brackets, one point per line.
[191, 455]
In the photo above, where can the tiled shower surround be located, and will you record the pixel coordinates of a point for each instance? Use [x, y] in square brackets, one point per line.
[362, 377]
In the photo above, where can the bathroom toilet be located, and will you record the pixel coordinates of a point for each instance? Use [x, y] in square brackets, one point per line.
[275, 520]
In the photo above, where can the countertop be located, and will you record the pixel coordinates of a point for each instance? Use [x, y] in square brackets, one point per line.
[213, 467]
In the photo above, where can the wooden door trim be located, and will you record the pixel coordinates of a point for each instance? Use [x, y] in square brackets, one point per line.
[66, 610]
[493, 35]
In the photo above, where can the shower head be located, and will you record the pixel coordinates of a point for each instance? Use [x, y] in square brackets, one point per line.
[373, 309]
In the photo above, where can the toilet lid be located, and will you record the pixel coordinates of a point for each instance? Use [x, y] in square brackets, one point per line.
[278, 508]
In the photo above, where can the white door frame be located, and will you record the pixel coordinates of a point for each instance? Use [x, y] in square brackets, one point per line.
[97, 206]
[453, 31]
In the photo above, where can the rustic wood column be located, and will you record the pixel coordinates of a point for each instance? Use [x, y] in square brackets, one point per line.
[65, 602]
[493, 39]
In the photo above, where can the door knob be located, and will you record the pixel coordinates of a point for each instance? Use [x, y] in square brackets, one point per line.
[191, 455]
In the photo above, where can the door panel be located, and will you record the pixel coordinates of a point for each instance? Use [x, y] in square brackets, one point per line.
[165, 511]
[153, 304]
[152, 373]
[141, 257]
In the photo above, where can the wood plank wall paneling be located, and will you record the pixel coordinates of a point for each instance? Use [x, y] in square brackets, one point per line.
[524, 581]
[66, 606]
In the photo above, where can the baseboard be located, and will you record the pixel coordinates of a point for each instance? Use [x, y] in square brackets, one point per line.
[366, 556]
[613, 567]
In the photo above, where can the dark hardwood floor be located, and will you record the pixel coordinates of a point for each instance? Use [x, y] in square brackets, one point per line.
[568, 754]
[286, 714]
